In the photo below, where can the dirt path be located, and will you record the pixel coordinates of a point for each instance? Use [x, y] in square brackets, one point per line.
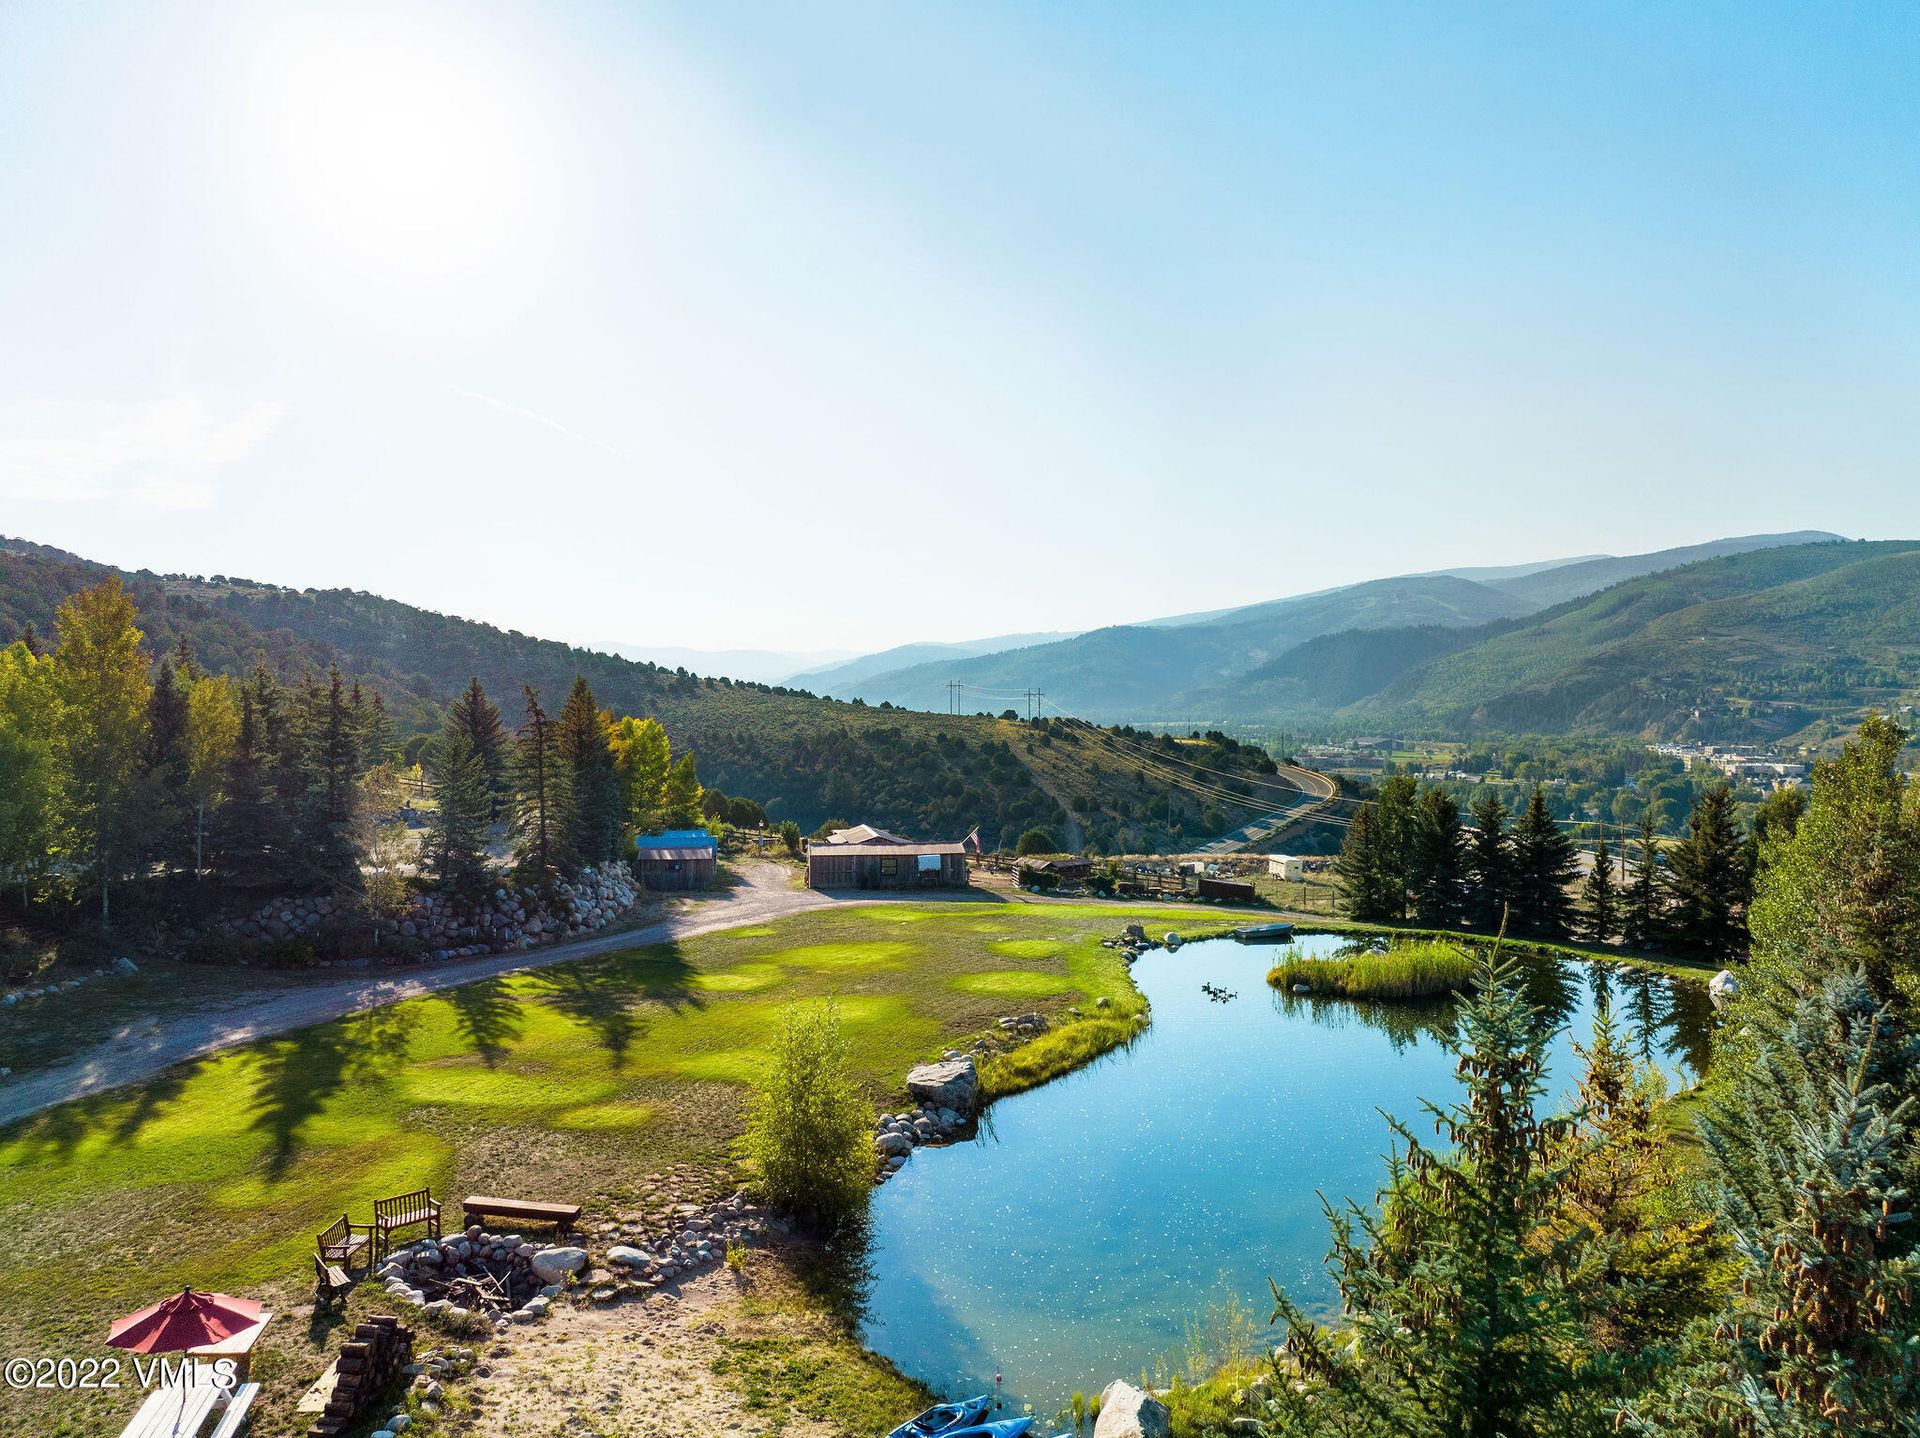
[146, 1046]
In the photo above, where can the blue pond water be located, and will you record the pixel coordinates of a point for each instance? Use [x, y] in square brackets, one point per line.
[1068, 1244]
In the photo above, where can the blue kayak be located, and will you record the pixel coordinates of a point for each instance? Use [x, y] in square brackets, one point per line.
[945, 1420]
[1006, 1428]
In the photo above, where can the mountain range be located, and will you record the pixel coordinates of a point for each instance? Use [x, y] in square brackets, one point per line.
[1294, 657]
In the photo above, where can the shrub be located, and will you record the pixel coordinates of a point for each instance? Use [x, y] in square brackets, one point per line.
[1416, 969]
[790, 835]
[1036, 841]
[810, 1132]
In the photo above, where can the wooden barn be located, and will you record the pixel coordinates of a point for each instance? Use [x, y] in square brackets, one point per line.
[677, 859]
[886, 863]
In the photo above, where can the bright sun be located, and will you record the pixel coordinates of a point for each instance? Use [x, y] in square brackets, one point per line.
[396, 148]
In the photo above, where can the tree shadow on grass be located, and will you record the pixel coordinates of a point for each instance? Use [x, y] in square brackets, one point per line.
[489, 1016]
[607, 994]
[298, 1075]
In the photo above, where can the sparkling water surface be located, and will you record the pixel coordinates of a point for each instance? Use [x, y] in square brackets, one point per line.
[1069, 1244]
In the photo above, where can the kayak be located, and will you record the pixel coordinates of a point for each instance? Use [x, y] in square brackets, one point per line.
[1006, 1428]
[943, 1419]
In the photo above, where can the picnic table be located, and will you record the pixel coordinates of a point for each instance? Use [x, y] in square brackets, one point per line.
[237, 1346]
[184, 1410]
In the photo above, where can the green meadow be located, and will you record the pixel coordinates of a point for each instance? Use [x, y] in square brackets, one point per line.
[618, 1082]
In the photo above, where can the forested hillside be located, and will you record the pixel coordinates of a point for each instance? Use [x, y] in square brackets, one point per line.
[805, 758]
[1761, 644]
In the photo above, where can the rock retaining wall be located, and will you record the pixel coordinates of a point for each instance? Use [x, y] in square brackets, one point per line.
[442, 925]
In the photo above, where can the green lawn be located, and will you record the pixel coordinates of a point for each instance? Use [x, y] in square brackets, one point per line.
[617, 1081]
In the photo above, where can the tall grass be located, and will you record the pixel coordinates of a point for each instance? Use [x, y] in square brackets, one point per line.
[1057, 1051]
[1411, 969]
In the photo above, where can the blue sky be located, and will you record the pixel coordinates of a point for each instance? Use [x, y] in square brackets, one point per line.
[678, 324]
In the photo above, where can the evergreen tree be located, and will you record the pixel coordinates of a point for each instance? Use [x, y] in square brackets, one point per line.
[1847, 880]
[1438, 900]
[100, 676]
[374, 736]
[541, 802]
[1463, 1313]
[1709, 881]
[1489, 865]
[322, 772]
[594, 818]
[1368, 888]
[165, 818]
[457, 832]
[683, 794]
[475, 713]
[1543, 866]
[1643, 924]
[258, 835]
[1600, 914]
[1812, 1153]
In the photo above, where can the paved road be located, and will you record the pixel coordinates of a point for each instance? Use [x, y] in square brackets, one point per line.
[1316, 791]
[145, 1047]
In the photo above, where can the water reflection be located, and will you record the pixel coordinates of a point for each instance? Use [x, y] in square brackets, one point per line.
[1072, 1241]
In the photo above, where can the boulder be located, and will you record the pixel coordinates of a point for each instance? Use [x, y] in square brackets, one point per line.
[555, 1265]
[625, 1253]
[124, 965]
[1126, 1412]
[951, 1083]
[1722, 987]
[892, 1144]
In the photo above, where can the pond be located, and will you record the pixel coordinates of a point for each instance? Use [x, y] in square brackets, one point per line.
[1094, 1217]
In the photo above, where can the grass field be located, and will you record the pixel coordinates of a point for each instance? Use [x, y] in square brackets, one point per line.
[617, 1082]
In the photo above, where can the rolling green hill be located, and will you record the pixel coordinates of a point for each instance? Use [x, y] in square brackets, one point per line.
[1130, 671]
[1759, 644]
[805, 758]
[1224, 664]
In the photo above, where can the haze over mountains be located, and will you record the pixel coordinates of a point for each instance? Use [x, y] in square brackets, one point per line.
[1247, 662]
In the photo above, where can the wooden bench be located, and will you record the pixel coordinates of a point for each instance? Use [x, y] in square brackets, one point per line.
[338, 1243]
[563, 1216]
[235, 1417]
[403, 1211]
[331, 1284]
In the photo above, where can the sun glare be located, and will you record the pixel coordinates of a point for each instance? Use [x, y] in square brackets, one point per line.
[396, 149]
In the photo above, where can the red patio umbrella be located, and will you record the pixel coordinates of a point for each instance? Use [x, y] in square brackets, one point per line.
[186, 1320]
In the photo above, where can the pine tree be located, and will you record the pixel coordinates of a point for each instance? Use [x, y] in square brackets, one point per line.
[1847, 880]
[594, 820]
[1437, 896]
[374, 736]
[1709, 881]
[541, 804]
[1812, 1152]
[475, 713]
[1489, 865]
[1600, 914]
[457, 832]
[1543, 866]
[1462, 1313]
[1643, 924]
[165, 821]
[1367, 888]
